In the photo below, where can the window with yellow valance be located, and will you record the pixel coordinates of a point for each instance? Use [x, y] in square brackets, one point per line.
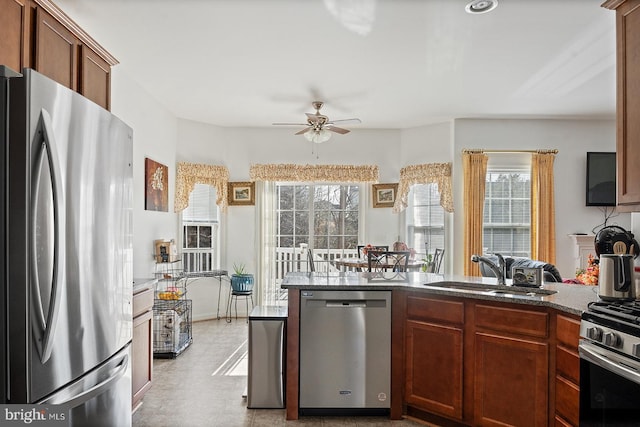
[439, 173]
[190, 174]
[313, 173]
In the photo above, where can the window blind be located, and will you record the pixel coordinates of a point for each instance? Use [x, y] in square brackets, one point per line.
[202, 205]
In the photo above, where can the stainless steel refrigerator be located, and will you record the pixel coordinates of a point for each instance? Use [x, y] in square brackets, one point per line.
[66, 212]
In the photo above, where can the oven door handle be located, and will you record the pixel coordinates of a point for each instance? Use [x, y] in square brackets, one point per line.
[593, 354]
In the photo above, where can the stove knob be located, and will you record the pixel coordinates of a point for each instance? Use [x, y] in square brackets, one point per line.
[594, 333]
[610, 339]
[635, 350]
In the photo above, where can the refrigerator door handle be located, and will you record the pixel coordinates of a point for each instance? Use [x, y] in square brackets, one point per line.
[96, 390]
[48, 149]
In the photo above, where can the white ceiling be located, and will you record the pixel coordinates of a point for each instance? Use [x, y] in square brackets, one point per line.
[392, 63]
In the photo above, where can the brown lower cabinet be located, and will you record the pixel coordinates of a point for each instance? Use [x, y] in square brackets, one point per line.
[476, 362]
[434, 357]
[510, 381]
[142, 344]
[511, 365]
[567, 380]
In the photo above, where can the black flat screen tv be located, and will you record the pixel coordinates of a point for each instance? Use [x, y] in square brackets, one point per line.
[601, 179]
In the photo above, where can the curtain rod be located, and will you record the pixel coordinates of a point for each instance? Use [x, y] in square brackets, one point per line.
[478, 151]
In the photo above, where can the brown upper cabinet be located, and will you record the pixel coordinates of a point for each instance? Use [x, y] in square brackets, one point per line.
[628, 101]
[37, 34]
[13, 33]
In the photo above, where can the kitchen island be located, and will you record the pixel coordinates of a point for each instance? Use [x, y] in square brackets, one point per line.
[463, 349]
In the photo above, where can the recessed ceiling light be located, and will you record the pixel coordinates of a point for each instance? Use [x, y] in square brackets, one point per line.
[481, 6]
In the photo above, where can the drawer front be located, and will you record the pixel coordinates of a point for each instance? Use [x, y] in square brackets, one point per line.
[568, 331]
[568, 401]
[568, 364]
[142, 301]
[435, 309]
[521, 322]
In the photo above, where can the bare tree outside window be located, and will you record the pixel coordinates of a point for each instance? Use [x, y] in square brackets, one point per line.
[323, 217]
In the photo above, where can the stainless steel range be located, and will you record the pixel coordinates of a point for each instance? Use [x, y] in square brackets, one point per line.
[610, 364]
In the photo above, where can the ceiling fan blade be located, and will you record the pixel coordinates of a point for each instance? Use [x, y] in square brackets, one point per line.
[290, 124]
[336, 129]
[346, 121]
[312, 117]
[303, 131]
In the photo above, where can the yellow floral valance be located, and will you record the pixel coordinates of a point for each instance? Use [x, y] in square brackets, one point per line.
[440, 173]
[313, 173]
[190, 174]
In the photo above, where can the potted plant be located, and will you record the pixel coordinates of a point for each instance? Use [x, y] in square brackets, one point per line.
[241, 281]
[427, 263]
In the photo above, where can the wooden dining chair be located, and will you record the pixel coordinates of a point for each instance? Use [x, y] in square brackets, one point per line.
[388, 260]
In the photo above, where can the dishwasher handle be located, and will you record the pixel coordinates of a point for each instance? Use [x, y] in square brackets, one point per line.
[346, 304]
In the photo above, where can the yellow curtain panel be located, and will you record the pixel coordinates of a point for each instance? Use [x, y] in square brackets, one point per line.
[543, 222]
[475, 173]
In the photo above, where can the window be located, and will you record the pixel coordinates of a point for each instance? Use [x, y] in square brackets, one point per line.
[323, 217]
[425, 219]
[507, 213]
[200, 230]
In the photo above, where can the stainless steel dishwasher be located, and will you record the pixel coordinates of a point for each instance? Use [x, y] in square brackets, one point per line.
[345, 352]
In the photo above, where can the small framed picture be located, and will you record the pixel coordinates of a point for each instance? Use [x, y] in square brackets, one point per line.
[242, 194]
[384, 195]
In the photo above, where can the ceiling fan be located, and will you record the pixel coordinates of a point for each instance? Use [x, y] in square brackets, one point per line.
[318, 127]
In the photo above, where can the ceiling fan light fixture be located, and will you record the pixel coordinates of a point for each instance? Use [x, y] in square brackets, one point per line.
[481, 6]
[318, 136]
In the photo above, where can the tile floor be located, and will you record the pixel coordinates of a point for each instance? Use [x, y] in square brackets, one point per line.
[204, 386]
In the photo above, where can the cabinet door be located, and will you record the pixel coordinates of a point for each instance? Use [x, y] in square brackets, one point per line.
[13, 31]
[628, 102]
[141, 356]
[56, 50]
[511, 381]
[434, 368]
[95, 80]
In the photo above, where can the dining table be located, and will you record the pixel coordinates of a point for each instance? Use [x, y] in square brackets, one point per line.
[362, 264]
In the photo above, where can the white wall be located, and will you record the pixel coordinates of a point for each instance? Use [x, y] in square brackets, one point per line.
[166, 139]
[238, 148]
[573, 138]
[432, 144]
[154, 136]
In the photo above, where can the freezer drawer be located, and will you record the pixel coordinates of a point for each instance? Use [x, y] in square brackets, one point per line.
[267, 327]
[345, 350]
[102, 397]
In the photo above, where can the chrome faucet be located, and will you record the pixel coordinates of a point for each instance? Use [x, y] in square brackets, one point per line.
[498, 270]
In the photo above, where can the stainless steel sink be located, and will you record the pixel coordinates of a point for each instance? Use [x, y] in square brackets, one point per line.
[484, 289]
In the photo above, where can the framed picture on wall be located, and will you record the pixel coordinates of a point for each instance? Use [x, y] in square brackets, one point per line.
[384, 195]
[241, 194]
[156, 186]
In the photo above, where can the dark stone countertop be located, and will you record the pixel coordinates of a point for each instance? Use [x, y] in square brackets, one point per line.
[568, 298]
